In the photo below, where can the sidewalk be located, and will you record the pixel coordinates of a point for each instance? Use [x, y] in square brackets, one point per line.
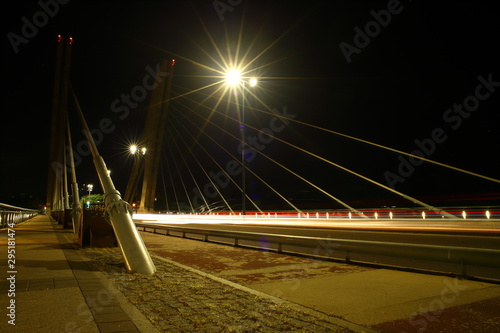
[55, 289]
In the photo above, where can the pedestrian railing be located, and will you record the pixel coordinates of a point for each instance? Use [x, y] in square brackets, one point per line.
[11, 215]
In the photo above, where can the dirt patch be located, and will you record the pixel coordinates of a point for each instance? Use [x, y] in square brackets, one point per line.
[346, 269]
[480, 316]
[268, 277]
[194, 258]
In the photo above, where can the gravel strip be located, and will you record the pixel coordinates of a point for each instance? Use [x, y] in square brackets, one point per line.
[178, 300]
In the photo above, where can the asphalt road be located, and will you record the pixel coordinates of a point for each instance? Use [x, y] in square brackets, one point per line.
[453, 236]
[476, 240]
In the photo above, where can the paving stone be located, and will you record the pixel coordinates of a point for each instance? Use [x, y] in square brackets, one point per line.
[107, 310]
[110, 317]
[39, 288]
[96, 306]
[65, 283]
[115, 327]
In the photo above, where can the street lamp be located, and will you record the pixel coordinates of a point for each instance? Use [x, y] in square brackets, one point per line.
[234, 78]
[138, 154]
[134, 149]
[90, 187]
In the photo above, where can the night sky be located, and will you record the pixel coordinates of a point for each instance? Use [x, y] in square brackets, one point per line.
[410, 75]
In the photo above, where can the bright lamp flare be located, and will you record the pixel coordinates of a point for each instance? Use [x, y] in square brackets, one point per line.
[133, 149]
[233, 77]
[253, 82]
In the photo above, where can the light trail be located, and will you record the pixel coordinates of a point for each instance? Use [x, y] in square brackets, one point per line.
[400, 224]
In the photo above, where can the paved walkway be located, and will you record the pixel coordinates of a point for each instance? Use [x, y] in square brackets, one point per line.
[54, 289]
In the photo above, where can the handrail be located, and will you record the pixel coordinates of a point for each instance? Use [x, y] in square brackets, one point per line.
[447, 254]
[10, 218]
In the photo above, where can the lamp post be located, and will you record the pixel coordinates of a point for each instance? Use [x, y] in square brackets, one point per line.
[233, 78]
[90, 187]
[243, 161]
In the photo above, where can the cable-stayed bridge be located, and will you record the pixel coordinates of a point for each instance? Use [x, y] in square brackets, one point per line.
[224, 150]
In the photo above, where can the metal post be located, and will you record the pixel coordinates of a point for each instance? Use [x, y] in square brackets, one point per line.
[77, 208]
[61, 198]
[65, 181]
[52, 179]
[243, 178]
[64, 115]
[154, 134]
[119, 212]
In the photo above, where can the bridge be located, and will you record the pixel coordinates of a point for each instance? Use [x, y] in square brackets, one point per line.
[200, 175]
[228, 185]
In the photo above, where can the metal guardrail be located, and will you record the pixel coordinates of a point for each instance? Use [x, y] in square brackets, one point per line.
[12, 217]
[344, 248]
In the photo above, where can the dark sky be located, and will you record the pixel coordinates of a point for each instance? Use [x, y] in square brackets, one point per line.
[395, 88]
